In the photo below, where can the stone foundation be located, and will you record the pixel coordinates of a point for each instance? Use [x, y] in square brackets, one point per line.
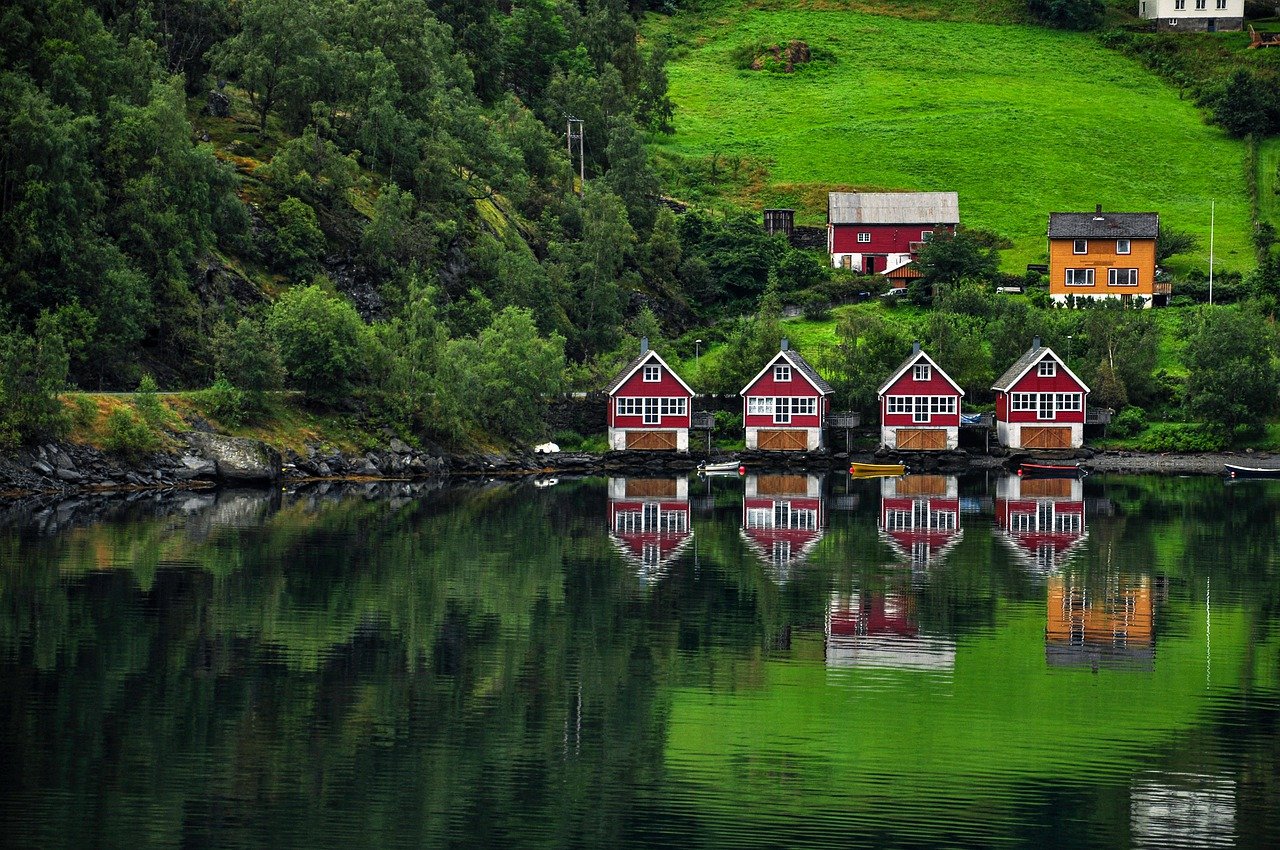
[1198, 24]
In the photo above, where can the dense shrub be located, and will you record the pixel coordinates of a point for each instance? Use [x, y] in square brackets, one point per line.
[226, 402]
[1128, 422]
[1182, 438]
[324, 345]
[147, 401]
[127, 434]
[32, 373]
[1068, 14]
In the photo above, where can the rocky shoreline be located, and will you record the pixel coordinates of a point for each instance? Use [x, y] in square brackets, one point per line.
[210, 460]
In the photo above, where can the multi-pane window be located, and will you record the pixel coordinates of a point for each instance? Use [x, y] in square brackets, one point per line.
[1222, 4]
[652, 374]
[630, 406]
[1047, 369]
[673, 406]
[1079, 277]
[1122, 277]
[804, 406]
[1023, 401]
[1080, 246]
[782, 410]
[1046, 406]
[922, 409]
[758, 405]
[1067, 401]
[864, 237]
[942, 404]
[1179, 5]
[782, 373]
[923, 372]
[899, 404]
[651, 411]
[1123, 246]
[1200, 4]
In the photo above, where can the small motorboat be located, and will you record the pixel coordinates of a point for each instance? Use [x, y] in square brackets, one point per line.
[1234, 471]
[876, 470]
[1051, 470]
[729, 467]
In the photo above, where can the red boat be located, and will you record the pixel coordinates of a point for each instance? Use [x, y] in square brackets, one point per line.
[1052, 470]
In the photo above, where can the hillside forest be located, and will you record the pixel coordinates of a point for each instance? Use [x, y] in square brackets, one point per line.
[371, 203]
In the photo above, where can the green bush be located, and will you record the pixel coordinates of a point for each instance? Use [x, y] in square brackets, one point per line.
[84, 412]
[1128, 422]
[324, 345]
[147, 402]
[128, 435]
[33, 370]
[1182, 438]
[226, 402]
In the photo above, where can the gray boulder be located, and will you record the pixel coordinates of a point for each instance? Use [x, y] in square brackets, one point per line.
[237, 460]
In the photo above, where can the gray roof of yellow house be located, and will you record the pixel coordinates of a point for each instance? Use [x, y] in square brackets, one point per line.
[893, 208]
[1104, 225]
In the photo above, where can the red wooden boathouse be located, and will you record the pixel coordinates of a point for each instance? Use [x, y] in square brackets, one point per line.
[920, 406]
[1040, 403]
[785, 405]
[649, 405]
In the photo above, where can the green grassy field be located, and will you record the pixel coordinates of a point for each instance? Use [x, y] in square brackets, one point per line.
[1019, 120]
[1269, 180]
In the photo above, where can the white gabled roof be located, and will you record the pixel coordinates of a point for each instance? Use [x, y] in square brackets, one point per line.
[800, 365]
[911, 361]
[634, 366]
[1023, 365]
[893, 208]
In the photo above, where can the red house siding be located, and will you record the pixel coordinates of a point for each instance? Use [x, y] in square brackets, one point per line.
[907, 385]
[885, 238]
[1033, 383]
[797, 387]
[636, 387]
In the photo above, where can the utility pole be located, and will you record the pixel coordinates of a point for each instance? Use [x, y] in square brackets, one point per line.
[1211, 214]
[574, 134]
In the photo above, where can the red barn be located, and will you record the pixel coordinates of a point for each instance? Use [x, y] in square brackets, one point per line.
[920, 517]
[920, 406]
[1040, 403]
[649, 521]
[785, 405]
[783, 517]
[878, 232]
[1042, 519]
[649, 405]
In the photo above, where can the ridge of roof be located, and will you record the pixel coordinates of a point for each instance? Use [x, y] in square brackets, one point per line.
[630, 369]
[908, 363]
[1024, 363]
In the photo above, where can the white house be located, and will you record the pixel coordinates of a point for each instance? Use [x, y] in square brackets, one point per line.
[1193, 15]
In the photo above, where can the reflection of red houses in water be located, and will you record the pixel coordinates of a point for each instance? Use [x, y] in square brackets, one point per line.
[649, 521]
[783, 517]
[1042, 519]
[920, 516]
[879, 630]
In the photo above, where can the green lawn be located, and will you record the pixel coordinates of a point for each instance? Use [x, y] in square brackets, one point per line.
[1019, 120]
[1269, 181]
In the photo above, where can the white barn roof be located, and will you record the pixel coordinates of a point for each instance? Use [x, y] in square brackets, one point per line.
[893, 208]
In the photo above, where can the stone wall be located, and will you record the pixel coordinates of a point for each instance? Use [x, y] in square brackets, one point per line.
[812, 238]
[1191, 24]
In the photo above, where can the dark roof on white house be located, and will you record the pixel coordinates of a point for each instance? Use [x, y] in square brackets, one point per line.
[800, 365]
[893, 208]
[1104, 225]
[630, 369]
[1024, 363]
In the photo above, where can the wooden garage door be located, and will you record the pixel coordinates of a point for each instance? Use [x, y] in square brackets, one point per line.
[922, 439]
[1046, 438]
[783, 441]
[782, 485]
[652, 440]
[650, 488]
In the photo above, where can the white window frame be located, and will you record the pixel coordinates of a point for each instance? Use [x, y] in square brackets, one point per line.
[1073, 277]
[926, 235]
[630, 406]
[1201, 5]
[921, 412]
[1222, 4]
[804, 405]
[942, 404]
[1022, 402]
[1079, 246]
[652, 374]
[782, 373]
[759, 405]
[1067, 401]
[652, 411]
[922, 372]
[1113, 277]
[782, 410]
[1127, 246]
[1179, 5]
[864, 237]
[1046, 410]
[1047, 369]
[899, 404]
[673, 406]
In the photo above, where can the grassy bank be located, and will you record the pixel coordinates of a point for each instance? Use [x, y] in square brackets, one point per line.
[1019, 120]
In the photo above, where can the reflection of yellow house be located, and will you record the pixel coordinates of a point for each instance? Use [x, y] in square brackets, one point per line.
[1113, 624]
[1103, 255]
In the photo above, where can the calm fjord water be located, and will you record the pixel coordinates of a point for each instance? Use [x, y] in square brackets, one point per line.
[780, 660]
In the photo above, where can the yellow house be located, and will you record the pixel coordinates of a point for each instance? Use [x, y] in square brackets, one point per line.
[1103, 255]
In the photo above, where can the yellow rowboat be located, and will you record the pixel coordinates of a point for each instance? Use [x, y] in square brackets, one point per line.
[875, 470]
